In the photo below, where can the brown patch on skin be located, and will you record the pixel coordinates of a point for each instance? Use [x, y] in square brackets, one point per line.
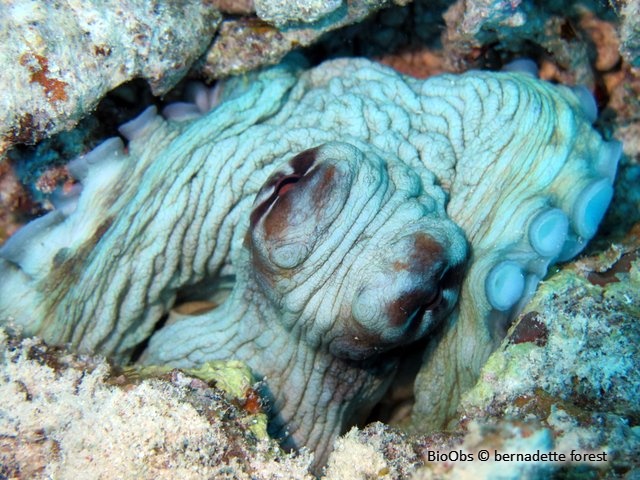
[530, 329]
[356, 344]
[300, 163]
[277, 219]
[427, 257]
[320, 193]
[38, 65]
[303, 161]
[68, 267]
[399, 310]
[399, 266]
[426, 251]
[286, 184]
[258, 212]
[60, 257]
[100, 231]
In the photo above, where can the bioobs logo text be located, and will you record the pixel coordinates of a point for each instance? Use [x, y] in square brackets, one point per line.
[538, 455]
[452, 456]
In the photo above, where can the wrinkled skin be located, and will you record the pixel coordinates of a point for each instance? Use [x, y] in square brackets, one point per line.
[329, 218]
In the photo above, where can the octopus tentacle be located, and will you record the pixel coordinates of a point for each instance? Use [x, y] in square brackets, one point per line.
[534, 198]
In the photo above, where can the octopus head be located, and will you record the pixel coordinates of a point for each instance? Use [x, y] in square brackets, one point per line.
[353, 252]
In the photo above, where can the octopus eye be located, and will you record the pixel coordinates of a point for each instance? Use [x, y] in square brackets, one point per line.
[435, 301]
[429, 304]
[286, 183]
[409, 310]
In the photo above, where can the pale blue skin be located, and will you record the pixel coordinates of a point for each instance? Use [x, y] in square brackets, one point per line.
[363, 250]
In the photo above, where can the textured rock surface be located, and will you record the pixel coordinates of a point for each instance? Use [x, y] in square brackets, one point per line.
[376, 451]
[578, 340]
[282, 13]
[554, 30]
[246, 43]
[62, 414]
[571, 360]
[59, 59]
[630, 32]
[176, 424]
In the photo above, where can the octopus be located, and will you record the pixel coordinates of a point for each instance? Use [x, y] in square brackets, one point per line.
[323, 220]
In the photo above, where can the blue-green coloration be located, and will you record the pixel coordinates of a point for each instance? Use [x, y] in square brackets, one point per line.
[329, 214]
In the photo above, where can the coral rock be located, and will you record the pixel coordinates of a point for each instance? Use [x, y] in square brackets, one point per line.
[58, 59]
